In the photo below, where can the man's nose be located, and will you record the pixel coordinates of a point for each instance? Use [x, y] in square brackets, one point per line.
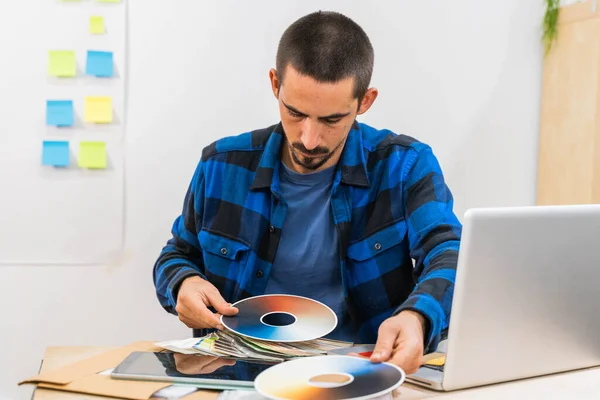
[310, 134]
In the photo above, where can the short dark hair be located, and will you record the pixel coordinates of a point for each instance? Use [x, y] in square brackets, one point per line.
[328, 47]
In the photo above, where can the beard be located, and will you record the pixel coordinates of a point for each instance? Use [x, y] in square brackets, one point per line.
[323, 154]
[310, 163]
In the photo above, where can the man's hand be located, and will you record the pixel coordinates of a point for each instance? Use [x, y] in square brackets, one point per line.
[194, 297]
[400, 341]
[192, 364]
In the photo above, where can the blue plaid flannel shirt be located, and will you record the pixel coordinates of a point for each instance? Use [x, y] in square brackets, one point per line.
[399, 236]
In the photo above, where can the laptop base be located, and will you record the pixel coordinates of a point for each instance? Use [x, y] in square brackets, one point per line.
[427, 377]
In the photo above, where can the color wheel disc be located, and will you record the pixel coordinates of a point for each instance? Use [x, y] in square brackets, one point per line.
[281, 318]
[329, 378]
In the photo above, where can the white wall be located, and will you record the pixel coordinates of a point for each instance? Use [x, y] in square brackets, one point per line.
[463, 76]
[569, 2]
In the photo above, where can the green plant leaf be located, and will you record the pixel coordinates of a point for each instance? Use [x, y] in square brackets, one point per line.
[550, 32]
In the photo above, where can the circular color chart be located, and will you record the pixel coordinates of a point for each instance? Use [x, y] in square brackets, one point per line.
[329, 378]
[281, 318]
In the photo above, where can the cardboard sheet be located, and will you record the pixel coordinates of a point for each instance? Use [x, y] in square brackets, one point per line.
[83, 377]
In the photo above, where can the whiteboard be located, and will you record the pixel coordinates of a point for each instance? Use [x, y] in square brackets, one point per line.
[48, 214]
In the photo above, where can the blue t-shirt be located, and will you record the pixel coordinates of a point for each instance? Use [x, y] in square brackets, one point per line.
[307, 261]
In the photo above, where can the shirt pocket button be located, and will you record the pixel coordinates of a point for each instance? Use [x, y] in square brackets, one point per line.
[224, 251]
[259, 274]
[378, 246]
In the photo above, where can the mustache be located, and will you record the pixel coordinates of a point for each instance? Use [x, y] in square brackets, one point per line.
[314, 152]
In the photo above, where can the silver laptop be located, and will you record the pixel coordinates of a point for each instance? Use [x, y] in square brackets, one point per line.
[527, 297]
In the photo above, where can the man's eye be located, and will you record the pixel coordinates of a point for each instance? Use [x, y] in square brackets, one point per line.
[294, 114]
[332, 121]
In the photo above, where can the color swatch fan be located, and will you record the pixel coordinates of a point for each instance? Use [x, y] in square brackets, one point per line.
[329, 378]
[281, 318]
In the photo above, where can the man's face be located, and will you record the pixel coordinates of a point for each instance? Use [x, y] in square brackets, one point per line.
[316, 118]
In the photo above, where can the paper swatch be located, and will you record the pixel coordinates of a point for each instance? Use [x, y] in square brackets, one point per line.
[61, 63]
[55, 153]
[92, 155]
[59, 112]
[96, 25]
[99, 63]
[108, 1]
[439, 361]
[98, 109]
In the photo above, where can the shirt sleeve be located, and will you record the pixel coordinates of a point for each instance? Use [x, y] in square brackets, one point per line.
[181, 257]
[434, 235]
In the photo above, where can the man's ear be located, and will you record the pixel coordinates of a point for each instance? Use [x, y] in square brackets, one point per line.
[367, 100]
[274, 82]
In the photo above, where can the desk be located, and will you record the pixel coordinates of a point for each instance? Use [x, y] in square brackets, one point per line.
[583, 384]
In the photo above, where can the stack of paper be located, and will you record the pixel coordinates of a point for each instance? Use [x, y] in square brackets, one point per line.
[228, 344]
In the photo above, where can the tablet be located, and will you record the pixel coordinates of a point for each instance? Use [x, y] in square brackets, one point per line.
[199, 370]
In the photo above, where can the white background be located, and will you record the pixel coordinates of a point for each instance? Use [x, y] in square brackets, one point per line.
[463, 76]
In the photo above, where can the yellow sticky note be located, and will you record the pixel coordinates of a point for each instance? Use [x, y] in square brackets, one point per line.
[437, 361]
[98, 109]
[92, 155]
[96, 25]
[61, 63]
[108, 1]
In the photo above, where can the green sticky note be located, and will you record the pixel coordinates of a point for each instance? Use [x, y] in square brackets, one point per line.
[92, 155]
[61, 63]
[96, 25]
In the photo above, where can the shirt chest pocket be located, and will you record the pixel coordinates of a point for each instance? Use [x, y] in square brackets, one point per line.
[223, 257]
[377, 254]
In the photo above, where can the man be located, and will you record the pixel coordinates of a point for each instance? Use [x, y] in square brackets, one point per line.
[321, 206]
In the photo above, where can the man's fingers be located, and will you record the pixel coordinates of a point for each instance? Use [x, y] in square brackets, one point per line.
[219, 326]
[187, 316]
[386, 338]
[195, 322]
[407, 355]
[195, 297]
[405, 359]
[400, 359]
[219, 303]
[190, 323]
[197, 315]
[208, 317]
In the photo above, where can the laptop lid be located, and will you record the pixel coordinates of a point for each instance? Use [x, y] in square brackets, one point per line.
[527, 294]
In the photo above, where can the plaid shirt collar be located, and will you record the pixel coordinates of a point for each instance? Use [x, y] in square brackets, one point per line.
[352, 162]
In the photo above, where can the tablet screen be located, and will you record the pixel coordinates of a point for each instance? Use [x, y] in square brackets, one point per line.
[174, 365]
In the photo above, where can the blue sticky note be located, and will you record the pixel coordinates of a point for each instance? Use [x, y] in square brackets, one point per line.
[55, 153]
[99, 63]
[59, 112]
